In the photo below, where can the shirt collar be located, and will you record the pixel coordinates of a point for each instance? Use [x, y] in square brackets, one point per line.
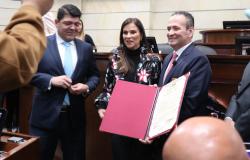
[179, 51]
[61, 41]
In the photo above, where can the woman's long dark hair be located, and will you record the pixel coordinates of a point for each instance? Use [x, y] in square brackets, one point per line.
[123, 63]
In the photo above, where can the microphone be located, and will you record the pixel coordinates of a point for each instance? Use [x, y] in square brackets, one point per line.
[174, 62]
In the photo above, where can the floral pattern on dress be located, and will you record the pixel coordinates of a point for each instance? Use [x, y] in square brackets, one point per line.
[148, 73]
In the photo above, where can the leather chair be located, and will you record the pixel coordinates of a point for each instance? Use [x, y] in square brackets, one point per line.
[206, 50]
[164, 48]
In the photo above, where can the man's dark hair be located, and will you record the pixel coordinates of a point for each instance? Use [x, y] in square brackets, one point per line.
[189, 17]
[68, 9]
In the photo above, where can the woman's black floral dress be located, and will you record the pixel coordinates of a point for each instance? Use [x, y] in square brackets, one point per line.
[147, 71]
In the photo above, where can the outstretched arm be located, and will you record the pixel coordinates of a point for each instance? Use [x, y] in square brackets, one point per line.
[22, 44]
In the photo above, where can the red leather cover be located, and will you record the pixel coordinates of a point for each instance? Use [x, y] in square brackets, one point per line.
[129, 109]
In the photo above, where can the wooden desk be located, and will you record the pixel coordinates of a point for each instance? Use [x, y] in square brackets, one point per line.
[222, 40]
[227, 71]
[27, 150]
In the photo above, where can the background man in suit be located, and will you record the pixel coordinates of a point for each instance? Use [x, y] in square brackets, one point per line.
[22, 44]
[66, 72]
[180, 31]
[238, 112]
[204, 138]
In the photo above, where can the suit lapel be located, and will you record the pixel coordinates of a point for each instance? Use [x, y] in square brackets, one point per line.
[164, 68]
[55, 53]
[178, 63]
[79, 58]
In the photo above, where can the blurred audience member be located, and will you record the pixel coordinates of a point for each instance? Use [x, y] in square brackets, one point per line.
[238, 112]
[22, 44]
[49, 23]
[85, 37]
[204, 138]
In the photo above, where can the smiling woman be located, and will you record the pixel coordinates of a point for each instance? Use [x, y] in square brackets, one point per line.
[131, 36]
[130, 62]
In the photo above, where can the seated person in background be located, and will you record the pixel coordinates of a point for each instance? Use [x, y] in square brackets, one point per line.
[85, 37]
[204, 138]
[238, 112]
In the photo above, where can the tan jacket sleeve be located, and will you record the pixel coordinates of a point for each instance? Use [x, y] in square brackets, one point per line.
[22, 44]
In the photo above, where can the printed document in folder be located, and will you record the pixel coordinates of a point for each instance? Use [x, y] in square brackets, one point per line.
[141, 111]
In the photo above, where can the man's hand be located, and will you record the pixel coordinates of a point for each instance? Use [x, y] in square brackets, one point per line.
[61, 81]
[78, 88]
[43, 6]
[146, 141]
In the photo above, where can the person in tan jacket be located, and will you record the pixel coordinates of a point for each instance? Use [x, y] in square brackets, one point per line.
[22, 44]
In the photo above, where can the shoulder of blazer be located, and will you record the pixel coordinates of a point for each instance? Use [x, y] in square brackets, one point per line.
[195, 52]
[51, 42]
[51, 38]
[189, 51]
[82, 43]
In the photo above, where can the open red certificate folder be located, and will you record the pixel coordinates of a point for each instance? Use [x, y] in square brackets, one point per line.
[141, 111]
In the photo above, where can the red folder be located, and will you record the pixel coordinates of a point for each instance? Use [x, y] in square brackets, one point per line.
[141, 111]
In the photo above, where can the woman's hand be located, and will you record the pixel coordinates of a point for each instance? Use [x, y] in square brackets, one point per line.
[101, 112]
[146, 141]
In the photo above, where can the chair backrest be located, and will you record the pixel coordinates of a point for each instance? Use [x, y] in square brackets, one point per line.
[165, 48]
[206, 50]
[242, 45]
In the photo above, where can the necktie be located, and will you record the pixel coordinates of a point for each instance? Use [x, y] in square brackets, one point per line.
[170, 66]
[68, 66]
[68, 61]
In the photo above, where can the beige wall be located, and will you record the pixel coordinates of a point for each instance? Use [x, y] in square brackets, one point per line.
[103, 18]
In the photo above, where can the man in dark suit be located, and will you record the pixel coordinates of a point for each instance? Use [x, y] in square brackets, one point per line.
[238, 112]
[66, 73]
[187, 58]
[180, 31]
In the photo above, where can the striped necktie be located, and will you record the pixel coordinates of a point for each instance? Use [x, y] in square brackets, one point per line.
[170, 66]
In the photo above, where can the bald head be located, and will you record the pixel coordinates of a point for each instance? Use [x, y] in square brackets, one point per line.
[204, 138]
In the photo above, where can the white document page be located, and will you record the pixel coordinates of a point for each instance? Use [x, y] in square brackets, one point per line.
[167, 106]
